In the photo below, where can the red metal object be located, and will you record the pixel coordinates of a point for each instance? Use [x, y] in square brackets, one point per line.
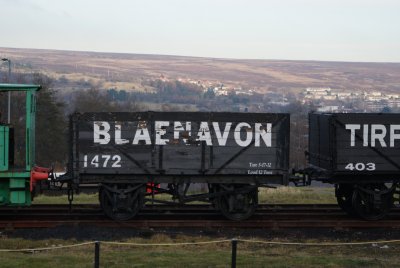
[39, 173]
[150, 186]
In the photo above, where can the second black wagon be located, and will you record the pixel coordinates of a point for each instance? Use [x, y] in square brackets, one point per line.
[360, 154]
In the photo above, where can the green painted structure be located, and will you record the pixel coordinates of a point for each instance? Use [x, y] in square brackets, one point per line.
[15, 181]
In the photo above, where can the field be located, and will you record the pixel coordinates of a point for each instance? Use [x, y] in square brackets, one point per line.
[128, 71]
[210, 255]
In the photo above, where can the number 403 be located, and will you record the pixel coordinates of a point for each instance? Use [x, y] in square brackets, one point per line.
[361, 166]
[104, 161]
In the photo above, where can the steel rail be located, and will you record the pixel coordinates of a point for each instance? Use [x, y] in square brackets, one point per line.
[194, 216]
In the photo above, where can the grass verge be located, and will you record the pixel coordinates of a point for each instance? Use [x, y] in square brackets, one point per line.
[297, 195]
[280, 195]
[209, 255]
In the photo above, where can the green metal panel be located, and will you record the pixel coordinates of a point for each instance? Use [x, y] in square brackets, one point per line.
[17, 183]
[4, 192]
[18, 188]
[19, 87]
[17, 197]
[27, 133]
[14, 185]
[33, 128]
[4, 147]
[15, 192]
[11, 174]
[30, 117]
[30, 130]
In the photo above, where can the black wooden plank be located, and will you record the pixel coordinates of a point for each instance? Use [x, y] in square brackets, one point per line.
[182, 153]
[381, 157]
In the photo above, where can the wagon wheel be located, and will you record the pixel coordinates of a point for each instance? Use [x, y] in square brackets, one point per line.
[237, 206]
[373, 202]
[344, 195]
[121, 202]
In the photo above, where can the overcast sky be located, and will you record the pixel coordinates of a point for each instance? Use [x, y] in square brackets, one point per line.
[339, 30]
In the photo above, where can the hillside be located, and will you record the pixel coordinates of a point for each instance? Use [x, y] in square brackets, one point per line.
[129, 70]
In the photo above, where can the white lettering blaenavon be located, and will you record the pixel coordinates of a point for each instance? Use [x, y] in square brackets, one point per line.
[374, 134]
[244, 133]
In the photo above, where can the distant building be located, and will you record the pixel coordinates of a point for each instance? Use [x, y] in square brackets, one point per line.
[244, 92]
[318, 89]
[328, 109]
[279, 103]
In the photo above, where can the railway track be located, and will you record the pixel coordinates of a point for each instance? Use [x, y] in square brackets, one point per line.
[193, 216]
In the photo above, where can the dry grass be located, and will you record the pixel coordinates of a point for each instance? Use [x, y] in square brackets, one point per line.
[261, 74]
[63, 199]
[297, 195]
[206, 255]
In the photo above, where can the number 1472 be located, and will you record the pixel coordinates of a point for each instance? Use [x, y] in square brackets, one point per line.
[105, 161]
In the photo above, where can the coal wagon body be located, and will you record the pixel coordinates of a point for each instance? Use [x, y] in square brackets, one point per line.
[360, 153]
[234, 153]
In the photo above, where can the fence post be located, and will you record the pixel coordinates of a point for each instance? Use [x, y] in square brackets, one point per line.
[96, 254]
[234, 249]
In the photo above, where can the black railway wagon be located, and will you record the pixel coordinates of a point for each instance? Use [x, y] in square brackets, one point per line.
[360, 153]
[234, 153]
